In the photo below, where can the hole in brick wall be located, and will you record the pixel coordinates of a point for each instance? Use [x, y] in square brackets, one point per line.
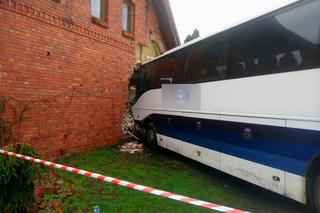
[61, 152]
[65, 136]
[48, 53]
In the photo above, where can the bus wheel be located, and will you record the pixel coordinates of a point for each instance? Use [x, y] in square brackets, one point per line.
[151, 136]
[316, 194]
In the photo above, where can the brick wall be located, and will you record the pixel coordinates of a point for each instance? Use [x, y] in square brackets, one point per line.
[64, 78]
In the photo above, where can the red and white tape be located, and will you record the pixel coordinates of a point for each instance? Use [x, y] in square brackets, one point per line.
[127, 184]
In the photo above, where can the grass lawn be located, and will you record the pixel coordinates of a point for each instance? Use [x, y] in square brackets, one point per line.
[164, 171]
[158, 169]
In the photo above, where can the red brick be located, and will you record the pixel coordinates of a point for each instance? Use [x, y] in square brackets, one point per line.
[54, 52]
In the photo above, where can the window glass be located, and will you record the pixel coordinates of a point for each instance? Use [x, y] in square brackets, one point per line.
[96, 8]
[166, 70]
[147, 78]
[303, 21]
[126, 17]
[208, 62]
[288, 41]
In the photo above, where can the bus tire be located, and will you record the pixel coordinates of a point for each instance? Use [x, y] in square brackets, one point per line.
[316, 194]
[151, 136]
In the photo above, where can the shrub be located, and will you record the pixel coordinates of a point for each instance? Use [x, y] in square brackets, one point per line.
[17, 179]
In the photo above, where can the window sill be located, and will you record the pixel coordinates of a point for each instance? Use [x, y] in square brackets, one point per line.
[99, 22]
[128, 34]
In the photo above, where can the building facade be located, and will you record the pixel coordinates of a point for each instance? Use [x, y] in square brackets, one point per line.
[65, 65]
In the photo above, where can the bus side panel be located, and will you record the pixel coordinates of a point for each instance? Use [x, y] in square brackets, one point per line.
[303, 144]
[248, 151]
[198, 153]
[293, 94]
[295, 187]
[252, 172]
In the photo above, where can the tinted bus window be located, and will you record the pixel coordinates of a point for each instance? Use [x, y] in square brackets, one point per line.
[285, 42]
[207, 63]
[147, 78]
[166, 70]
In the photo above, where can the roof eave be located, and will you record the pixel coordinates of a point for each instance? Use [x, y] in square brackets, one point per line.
[166, 23]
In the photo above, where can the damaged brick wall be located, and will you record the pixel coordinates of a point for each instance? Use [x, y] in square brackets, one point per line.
[70, 74]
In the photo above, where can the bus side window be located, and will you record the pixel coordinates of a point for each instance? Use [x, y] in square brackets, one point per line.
[267, 64]
[170, 69]
[222, 69]
[285, 42]
[287, 62]
[165, 71]
[236, 70]
[207, 63]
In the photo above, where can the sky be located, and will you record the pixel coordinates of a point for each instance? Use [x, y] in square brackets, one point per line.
[211, 16]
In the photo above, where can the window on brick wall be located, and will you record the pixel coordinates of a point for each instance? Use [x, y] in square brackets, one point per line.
[99, 11]
[128, 18]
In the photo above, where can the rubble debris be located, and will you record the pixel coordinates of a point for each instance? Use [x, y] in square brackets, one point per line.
[128, 125]
[128, 121]
[131, 147]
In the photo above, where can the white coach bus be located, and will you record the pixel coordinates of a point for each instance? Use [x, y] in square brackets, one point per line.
[245, 101]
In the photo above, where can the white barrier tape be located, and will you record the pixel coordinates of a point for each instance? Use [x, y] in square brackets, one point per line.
[129, 185]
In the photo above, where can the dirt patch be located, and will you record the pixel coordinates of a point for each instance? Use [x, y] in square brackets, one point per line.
[50, 190]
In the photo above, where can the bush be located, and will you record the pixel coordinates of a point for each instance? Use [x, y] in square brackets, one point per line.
[17, 179]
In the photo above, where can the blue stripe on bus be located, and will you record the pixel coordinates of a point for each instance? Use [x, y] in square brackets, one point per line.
[272, 146]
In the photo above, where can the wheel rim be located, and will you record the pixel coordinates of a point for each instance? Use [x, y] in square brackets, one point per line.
[151, 136]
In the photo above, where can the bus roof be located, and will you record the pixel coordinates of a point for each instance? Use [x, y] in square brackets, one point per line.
[296, 3]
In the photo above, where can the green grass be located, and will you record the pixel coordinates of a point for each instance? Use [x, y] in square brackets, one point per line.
[166, 171]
